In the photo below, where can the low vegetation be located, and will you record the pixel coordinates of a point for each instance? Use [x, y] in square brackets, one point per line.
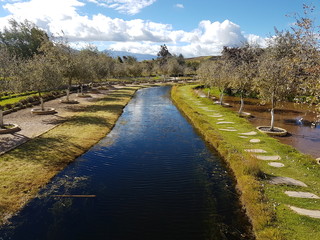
[24, 170]
[265, 204]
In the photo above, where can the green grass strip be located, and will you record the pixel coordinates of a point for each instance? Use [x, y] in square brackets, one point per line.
[266, 205]
[27, 168]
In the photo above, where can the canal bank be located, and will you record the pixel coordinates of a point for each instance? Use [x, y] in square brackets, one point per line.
[27, 168]
[267, 172]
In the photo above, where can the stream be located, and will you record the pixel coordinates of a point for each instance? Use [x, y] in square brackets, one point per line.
[152, 177]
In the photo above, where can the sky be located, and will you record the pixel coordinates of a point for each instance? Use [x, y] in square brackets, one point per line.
[189, 27]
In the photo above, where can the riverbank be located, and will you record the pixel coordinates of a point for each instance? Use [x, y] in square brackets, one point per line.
[30, 166]
[262, 168]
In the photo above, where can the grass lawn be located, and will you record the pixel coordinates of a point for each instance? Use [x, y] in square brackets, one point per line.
[266, 205]
[27, 168]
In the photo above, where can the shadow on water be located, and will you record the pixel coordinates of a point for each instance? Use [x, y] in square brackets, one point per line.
[153, 177]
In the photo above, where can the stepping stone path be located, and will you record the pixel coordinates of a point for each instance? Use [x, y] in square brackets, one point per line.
[268, 158]
[306, 212]
[249, 133]
[255, 150]
[225, 122]
[274, 180]
[276, 164]
[287, 181]
[301, 194]
[255, 140]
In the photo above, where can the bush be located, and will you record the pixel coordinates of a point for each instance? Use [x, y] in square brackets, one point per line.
[8, 106]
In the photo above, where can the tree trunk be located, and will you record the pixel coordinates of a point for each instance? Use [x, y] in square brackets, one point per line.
[272, 113]
[272, 120]
[68, 94]
[241, 105]
[41, 101]
[1, 118]
[209, 93]
[42, 104]
[81, 89]
[221, 98]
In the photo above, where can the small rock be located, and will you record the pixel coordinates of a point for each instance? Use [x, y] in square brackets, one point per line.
[268, 158]
[228, 129]
[249, 133]
[255, 150]
[306, 212]
[225, 122]
[276, 164]
[301, 194]
[287, 181]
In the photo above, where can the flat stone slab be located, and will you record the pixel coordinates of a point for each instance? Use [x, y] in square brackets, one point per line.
[220, 119]
[306, 212]
[249, 133]
[255, 140]
[301, 194]
[228, 129]
[287, 181]
[255, 150]
[225, 122]
[216, 116]
[268, 158]
[276, 164]
[243, 137]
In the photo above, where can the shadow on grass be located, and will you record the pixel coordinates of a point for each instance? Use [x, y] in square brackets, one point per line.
[45, 150]
[85, 120]
[115, 108]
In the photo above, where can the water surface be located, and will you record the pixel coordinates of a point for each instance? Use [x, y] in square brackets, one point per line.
[153, 178]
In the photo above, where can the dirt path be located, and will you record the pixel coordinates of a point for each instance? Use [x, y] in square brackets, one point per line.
[34, 125]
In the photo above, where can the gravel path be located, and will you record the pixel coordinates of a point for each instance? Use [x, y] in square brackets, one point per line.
[34, 125]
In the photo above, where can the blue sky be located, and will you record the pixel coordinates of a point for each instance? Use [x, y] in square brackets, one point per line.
[193, 28]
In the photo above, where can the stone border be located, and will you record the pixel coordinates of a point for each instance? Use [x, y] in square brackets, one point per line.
[39, 111]
[282, 133]
[15, 128]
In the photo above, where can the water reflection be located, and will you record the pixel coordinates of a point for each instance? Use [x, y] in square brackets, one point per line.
[297, 119]
[153, 177]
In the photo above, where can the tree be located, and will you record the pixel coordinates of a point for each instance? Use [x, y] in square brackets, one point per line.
[244, 61]
[7, 68]
[164, 52]
[306, 34]
[22, 39]
[40, 74]
[277, 72]
[173, 67]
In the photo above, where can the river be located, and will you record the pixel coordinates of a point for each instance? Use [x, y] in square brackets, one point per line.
[153, 177]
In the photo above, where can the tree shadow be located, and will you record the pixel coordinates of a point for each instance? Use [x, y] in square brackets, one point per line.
[109, 108]
[85, 120]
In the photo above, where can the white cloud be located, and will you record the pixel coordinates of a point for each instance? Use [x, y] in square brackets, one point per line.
[130, 7]
[134, 35]
[179, 5]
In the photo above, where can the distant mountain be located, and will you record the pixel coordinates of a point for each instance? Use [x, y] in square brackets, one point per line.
[139, 56]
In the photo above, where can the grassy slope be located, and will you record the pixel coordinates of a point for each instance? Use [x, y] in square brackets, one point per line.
[24, 170]
[266, 204]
